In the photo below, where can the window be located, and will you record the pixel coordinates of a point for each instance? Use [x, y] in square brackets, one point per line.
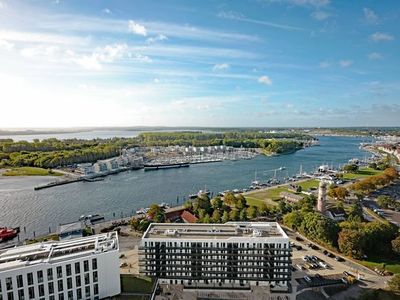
[79, 294]
[87, 279]
[95, 276]
[68, 270]
[61, 296]
[10, 296]
[59, 272]
[9, 283]
[51, 288]
[21, 295]
[70, 295]
[30, 278]
[40, 276]
[31, 292]
[94, 263]
[60, 285]
[51, 297]
[49, 274]
[86, 266]
[20, 281]
[77, 268]
[96, 289]
[87, 291]
[69, 283]
[78, 280]
[41, 290]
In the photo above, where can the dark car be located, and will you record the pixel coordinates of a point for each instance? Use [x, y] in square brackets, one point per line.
[325, 252]
[299, 239]
[338, 258]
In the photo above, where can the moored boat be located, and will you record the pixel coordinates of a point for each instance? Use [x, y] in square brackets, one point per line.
[8, 233]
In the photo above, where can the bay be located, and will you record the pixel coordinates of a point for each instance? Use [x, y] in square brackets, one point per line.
[125, 192]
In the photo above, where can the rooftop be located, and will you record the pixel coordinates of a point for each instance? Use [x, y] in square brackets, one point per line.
[230, 230]
[56, 251]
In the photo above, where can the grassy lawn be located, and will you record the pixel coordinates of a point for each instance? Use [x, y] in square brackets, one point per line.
[30, 171]
[306, 185]
[257, 202]
[133, 284]
[271, 194]
[362, 173]
[391, 265]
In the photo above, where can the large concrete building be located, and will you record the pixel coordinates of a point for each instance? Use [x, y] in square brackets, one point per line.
[231, 255]
[82, 268]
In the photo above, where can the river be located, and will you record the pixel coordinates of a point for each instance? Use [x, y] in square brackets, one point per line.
[21, 206]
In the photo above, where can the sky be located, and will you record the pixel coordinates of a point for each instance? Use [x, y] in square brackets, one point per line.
[248, 63]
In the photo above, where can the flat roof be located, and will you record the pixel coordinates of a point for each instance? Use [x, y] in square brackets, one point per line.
[225, 231]
[57, 251]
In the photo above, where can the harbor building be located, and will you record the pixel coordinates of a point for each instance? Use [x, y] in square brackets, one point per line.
[234, 255]
[82, 268]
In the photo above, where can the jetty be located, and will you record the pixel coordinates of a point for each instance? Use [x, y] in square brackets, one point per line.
[150, 167]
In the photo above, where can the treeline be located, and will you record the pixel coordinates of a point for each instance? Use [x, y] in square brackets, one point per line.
[50, 153]
[270, 142]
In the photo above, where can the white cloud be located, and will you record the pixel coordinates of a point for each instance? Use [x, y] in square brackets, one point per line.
[6, 45]
[231, 15]
[107, 11]
[107, 54]
[141, 58]
[137, 28]
[316, 3]
[380, 36]
[320, 15]
[370, 16]
[324, 64]
[265, 80]
[33, 37]
[219, 67]
[345, 63]
[375, 56]
[159, 37]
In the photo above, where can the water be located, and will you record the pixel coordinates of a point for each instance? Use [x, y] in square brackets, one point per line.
[128, 191]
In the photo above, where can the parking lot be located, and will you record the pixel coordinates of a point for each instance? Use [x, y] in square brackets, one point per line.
[326, 269]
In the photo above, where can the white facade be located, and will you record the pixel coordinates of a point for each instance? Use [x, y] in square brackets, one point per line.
[83, 268]
[232, 255]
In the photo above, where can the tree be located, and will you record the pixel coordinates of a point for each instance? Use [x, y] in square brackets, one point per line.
[217, 203]
[338, 192]
[351, 168]
[216, 216]
[206, 219]
[243, 215]
[396, 245]
[230, 199]
[241, 202]
[156, 213]
[299, 189]
[391, 172]
[293, 219]
[385, 201]
[234, 215]
[225, 217]
[264, 209]
[378, 237]
[356, 210]
[394, 283]
[320, 228]
[352, 243]
[252, 212]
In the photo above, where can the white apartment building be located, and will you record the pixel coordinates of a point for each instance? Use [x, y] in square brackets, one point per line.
[82, 268]
[235, 254]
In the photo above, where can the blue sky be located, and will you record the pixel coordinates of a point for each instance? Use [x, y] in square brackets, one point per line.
[199, 63]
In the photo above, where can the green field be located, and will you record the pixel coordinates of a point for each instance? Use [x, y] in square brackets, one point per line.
[306, 185]
[30, 171]
[391, 265]
[362, 173]
[133, 284]
[257, 202]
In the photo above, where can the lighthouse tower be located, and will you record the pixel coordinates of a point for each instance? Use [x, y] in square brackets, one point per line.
[321, 204]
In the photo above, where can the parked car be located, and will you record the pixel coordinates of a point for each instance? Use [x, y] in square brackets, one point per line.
[338, 258]
[306, 278]
[299, 239]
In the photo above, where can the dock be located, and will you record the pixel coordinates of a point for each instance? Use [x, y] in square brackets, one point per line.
[165, 166]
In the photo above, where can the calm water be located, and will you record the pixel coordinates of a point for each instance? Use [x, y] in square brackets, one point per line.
[125, 192]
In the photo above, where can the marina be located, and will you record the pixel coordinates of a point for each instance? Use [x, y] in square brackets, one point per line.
[124, 193]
